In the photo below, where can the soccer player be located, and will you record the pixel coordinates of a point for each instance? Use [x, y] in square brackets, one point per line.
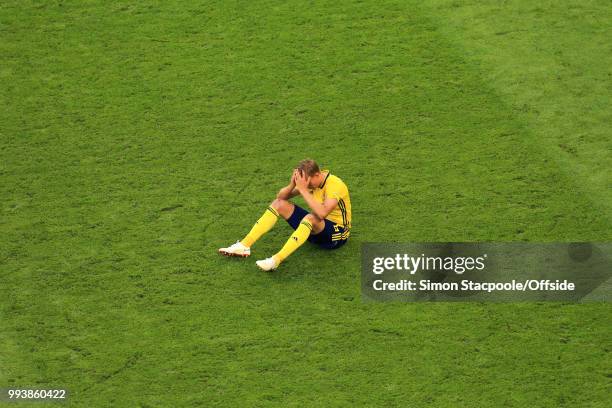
[328, 224]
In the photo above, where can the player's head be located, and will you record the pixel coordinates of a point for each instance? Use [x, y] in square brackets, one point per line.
[311, 169]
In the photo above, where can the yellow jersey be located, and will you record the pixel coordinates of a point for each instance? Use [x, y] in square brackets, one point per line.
[334, 187]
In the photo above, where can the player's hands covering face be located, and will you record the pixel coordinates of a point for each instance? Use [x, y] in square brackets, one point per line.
[301, 181]
[293, 176]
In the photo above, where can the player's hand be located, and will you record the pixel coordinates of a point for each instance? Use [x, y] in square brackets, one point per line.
[293, 175]
[301, 181]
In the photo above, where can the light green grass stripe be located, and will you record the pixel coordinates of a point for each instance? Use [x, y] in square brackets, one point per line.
[551, 63]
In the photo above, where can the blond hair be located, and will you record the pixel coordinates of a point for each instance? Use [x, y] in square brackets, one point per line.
[309, 167]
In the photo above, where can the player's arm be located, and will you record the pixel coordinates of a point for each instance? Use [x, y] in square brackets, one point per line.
[289, 191]
[318, 209]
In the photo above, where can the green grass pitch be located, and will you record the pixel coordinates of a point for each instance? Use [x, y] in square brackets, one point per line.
[136, 139]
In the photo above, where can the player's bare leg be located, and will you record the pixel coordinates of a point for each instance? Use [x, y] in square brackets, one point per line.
[283, 207]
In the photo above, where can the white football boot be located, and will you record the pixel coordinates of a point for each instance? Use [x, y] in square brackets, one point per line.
[236, 249]
[268, 264]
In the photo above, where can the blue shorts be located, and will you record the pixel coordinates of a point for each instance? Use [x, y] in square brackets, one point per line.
[323, 238]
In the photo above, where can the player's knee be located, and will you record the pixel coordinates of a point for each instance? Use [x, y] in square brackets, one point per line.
[311, 218]
[279, 204]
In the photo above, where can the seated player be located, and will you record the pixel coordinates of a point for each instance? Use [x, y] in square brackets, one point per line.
[328, 224]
